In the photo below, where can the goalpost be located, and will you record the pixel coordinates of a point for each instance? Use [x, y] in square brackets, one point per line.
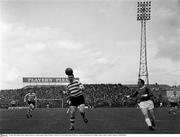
[49, 103]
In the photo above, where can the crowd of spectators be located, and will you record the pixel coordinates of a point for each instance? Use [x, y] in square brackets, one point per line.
[109, 95]
[42, 92]
[96, 95]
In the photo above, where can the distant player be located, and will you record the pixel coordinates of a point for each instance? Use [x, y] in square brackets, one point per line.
[174, 99]
[75, 90]
[30, 98]
[145, 104]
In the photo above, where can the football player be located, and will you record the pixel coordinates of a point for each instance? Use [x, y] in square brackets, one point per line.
[31, 99]
[145, 103]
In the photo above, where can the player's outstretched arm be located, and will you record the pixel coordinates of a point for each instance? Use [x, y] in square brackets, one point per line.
[132, 95]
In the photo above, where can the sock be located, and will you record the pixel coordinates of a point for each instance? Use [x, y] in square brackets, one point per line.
[72, 121]
[148, 121]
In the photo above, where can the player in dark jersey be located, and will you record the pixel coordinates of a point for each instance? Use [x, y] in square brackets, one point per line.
[30, 98]
[75, 91]
[145, 103]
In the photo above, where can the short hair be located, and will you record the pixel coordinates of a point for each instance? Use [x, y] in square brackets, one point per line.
[142, 81]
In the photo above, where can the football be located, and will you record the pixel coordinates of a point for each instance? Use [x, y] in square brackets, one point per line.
[69, 71]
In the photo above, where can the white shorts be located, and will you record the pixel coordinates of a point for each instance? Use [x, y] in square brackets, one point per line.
[146, 105]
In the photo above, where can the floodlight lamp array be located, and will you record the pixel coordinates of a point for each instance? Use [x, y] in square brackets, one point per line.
[144, 10]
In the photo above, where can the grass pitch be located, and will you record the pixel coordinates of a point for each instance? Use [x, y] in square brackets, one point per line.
[101, 121]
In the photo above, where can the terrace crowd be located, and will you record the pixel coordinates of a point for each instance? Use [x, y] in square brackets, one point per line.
[96, 95]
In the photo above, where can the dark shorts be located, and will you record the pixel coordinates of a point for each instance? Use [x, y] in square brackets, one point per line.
[31, 102]
[76, 101]
[173, 104]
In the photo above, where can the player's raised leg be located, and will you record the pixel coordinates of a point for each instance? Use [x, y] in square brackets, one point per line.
[174, 110]
[82, 112]
[69, 103]
[68, 110]
[28, 112]
[32, 107]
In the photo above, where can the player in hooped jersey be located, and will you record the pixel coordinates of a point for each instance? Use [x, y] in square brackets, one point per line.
[30, 98]
[174, 99]
[145, 103]
[75, 91]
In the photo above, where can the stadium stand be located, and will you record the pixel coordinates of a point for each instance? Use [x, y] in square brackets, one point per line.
[96, 95]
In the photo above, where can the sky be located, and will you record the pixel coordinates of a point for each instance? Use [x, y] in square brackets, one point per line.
[99, 39]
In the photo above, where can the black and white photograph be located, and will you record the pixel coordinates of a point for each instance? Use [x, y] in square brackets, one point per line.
[89, 67]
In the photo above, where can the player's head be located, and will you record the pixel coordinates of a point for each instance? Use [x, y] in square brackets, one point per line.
[71, 78]
[140, 82]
